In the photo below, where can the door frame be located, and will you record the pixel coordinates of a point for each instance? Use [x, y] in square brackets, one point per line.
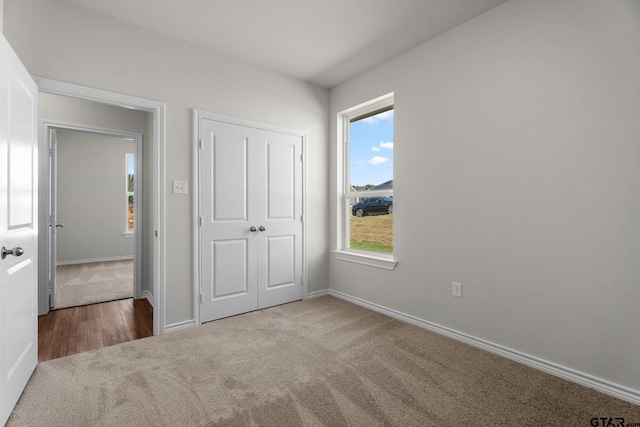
[198, 115]
[51, 189]
[157, 145]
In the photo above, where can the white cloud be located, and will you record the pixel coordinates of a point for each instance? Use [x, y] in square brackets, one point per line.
[388, 145]
[377, 160]
[387, 115]
[375, 148]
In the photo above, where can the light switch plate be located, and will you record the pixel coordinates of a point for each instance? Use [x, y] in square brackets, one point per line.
[457, 289]
[179, 187]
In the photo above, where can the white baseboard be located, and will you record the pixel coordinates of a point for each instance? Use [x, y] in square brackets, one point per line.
[317, 294]
[180, 325]
[149, 297]
[612, 389]
[106, 259]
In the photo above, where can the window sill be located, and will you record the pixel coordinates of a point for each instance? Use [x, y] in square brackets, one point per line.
[128, 234]
[379, 261]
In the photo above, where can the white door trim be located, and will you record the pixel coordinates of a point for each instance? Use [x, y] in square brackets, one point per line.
[197, 116]
[45, 133]
[158, 110]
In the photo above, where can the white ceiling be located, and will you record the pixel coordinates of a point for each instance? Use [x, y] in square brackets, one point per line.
[320, 41]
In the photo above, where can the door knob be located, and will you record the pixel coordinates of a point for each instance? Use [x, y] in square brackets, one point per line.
[60, 225]
[252, 229]
[15, 252]
[262, 228]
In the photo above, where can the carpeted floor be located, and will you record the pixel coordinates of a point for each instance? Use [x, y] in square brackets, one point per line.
[82, 284]
[318, 362]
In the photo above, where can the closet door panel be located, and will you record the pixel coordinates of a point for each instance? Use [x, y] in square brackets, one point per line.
[228, 204]
[280, 244]
[281, 260]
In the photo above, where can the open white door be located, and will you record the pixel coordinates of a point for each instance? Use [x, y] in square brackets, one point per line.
[18, 228]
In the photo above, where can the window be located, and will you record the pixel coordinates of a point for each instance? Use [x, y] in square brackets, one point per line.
[366, 200]
[130, 217]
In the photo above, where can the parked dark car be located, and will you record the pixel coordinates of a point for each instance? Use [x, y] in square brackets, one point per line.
[373, 206]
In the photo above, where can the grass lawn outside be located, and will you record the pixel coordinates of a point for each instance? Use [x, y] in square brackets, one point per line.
[372, 233]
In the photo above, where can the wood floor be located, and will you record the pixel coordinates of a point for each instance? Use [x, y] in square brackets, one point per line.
[74, 330]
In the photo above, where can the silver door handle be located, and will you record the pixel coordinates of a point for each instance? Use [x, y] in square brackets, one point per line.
[15, 252]
[60, 225]
[252, 229]
[262, 228]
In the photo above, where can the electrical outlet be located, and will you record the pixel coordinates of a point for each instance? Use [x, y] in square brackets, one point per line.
[457, 289]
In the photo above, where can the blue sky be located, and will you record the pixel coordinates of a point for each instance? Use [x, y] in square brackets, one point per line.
[371, 145]
[130, 165]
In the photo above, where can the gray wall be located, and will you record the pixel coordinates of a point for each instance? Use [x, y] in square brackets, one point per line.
[91, 49]
[517, 173]
[91, 199]
[62, 109]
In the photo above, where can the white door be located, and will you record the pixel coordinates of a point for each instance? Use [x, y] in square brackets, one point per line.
[229, 213]
[280, 232]
[18, 229]
[251, 219]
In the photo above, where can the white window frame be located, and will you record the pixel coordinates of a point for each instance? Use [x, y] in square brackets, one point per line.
[128, 232]
[343, 252]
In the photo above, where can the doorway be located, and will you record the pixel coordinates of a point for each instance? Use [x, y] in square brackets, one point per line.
[95, 215]
[153, 245]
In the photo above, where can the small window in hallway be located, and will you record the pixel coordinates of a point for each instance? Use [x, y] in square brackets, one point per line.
[130, 217]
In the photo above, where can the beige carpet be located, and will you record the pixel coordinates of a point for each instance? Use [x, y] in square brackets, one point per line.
[317, 362]
[82, 284]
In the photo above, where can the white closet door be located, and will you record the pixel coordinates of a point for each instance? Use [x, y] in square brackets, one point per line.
[280, 244]
[251, 206]
[229, 207]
